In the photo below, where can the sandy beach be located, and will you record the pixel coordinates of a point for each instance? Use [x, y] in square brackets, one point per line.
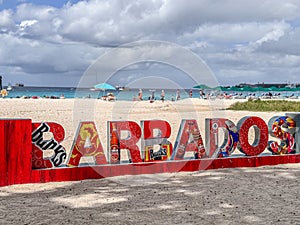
[264, 195]
[69, 112]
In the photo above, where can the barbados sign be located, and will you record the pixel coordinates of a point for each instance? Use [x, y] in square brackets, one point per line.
[23, 147]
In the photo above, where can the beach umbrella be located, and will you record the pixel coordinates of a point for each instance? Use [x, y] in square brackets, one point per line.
[217, 88]
[221, 88]
[202, 86]
[258, 89]
[226, 88]
[272, 88]
[247, 88]
[104, 86]
[285, 89]
[234, 88]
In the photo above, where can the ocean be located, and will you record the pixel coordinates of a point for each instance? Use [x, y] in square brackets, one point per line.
[71, 92]
[127, 94]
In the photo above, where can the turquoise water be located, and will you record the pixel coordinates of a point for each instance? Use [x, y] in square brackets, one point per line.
[127, 94]
[54, 92]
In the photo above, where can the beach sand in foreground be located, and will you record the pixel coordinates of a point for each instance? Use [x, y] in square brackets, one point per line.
[265, 195]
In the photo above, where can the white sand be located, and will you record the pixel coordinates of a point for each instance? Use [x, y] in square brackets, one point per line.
[68, 113]
[265, 195]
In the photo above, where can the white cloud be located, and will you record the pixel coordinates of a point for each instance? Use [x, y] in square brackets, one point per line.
[273, 35]
[104, 22]
[27, 23]
[230, 35]
[289, 44]
[238, 32]
[6, 19]
[203, 11]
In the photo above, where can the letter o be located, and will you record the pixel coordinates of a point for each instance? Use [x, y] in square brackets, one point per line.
[260, 139]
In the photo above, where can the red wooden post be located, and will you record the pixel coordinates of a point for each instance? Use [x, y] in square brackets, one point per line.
[3, 176]
[15, 151]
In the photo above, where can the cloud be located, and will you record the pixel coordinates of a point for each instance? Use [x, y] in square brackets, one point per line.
[27, 23]
[272, 35]
[288, 44]
[230, 35]
[6, 20]
[115, 22]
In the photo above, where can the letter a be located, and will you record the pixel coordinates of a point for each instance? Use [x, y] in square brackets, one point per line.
[189, 139]
[86, 132]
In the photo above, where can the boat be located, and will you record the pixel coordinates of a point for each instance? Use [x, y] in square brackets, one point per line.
[19, 85]
[120, 88]
[9, 87]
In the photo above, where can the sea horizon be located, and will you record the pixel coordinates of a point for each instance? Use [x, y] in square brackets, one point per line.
[128, 93]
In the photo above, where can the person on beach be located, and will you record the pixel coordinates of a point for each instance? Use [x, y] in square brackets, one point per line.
[191, 93]
[140, 95]
[152, 96]
[202, 94]
[177, 95]
[162, 95]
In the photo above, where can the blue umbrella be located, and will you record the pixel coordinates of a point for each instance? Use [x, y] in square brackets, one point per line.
[104, 86]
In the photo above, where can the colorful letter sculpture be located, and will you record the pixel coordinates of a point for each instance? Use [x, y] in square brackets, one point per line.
[39, 145]
[87, 144]
[230, 141]
[189, 139]
[155, 144]
[260, 139]
[34, 152]
[282, 127]
[134, 133]
[296, 118]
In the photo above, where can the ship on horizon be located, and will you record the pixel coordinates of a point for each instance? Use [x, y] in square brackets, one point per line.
[19, 85]
[9, 87]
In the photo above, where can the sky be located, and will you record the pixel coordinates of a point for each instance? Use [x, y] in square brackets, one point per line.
[54, 42]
